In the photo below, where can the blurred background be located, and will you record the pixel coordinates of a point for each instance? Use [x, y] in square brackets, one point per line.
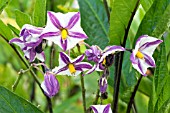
[69, 99]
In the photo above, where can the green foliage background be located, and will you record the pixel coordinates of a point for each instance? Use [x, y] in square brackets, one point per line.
[152, 17]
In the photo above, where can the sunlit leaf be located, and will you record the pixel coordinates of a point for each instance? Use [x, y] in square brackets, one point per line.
[15, 30]
[3, 4]
[39, 14]
[22, 18]
[5, 31]
[94, 22]
[119, 19]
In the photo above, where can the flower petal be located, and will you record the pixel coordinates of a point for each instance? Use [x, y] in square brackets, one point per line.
[77, 35]
[111, 50]
[94, 109]
[149, 60]
[64, 58]
[107, 109]
[41, 56]
[54, 20]
[18, 42]
[50, 34]
[83, 65]
[62, 69]
[32, 55]
[63, 44]
[74, 19]
[92, 69]
[133, 57]
[149, 47]
[78, 59]
[141, 66]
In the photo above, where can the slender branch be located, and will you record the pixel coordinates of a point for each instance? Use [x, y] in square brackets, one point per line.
[83, 92]
[133, 95]
[52, 55]
[107, 9]
[97, 97]
[120, 61]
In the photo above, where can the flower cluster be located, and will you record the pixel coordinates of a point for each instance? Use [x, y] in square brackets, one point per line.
[65, 31]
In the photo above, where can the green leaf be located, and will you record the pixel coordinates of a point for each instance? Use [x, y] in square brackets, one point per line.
[15, 30]
[152, 18]
[161, 83]
[119, 19]
[3, 4]
[5, 31]
[39, 15]
[146, 4]
[22, 18]
[94, 22]
[165, 107]
[163, 23]
[11, 103]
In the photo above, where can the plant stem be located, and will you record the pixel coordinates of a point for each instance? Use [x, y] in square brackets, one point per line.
[118, 65]
[133, 95]
[107, 9]
[83, 92]
[52, 55]
[97, 97]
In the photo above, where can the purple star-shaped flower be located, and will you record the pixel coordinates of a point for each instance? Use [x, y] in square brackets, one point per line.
[71, 67]
[50, 85]
[64, 29]
[101, 56]
[101, 108]
[141, 56]
[30, 42]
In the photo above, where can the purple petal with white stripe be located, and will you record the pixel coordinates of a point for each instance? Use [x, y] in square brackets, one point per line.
[51, 84]
[94, 109]
[64, 58]
[148, 44]
[140, 68]
[73, 20]
[83, 66]
[106, 109]
[32, 55]
[50, 34]
[103, 84]
[78, 59]
[149, 60]
[15, 40]
[62, 69]
[63, 44]
[77, 35]
[54, 20]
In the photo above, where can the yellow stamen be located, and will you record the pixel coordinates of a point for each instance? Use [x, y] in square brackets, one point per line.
[64, 34]
[71, 68]
[139, 55]
[104, 61]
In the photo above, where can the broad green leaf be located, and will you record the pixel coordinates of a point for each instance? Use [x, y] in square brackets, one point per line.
[152, 18]
[161, 83]
[11, 103]
[39, 14]
[165, 107]
[163, 23]
[5, 31]
[22, 18]
[94, 22]
[119, 19]
[15, 30]
[146, 4]
[3, 4]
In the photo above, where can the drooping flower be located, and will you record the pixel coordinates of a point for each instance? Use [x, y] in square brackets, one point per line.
[105, 59]
[50, 85]
[71, 67]
[101, 108]
[141, 56]
[64, 29]
[103, 84]
[30, 42]
[94, 53]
